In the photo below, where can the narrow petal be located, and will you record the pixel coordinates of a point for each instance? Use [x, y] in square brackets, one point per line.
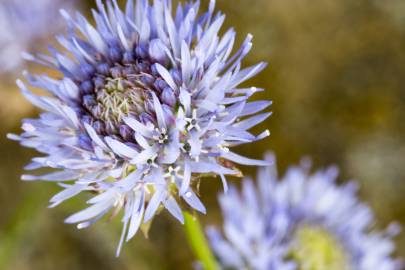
[136, 216]
[143, 156]
[252, 121]
[185, 183]
[244, 160]
[138, 127]
[154, 204]
[120, 148]
[54, 176]
[192, 200]
[94, 136]
[206, 167]
[166, 76]
[224, 183]
[124, 230]
[255, 107]
[90, 212]
[66, 194]
[174, 209]
[185, 62]
[159, 111]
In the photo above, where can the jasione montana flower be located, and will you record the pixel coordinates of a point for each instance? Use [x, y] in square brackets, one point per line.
[149, 102]
[302, 222]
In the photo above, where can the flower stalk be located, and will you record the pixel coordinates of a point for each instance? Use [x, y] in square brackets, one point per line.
[198, 242]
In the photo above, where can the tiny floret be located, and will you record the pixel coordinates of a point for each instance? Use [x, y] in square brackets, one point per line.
[148, 103]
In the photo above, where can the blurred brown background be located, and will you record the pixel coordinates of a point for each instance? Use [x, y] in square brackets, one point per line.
[337, 79]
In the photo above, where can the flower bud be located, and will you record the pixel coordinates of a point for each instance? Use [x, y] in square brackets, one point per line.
[87, 87]
[126, 132]
[115, 54]
[168, 97]
[103, 68]
[157, 52]
[89, 101]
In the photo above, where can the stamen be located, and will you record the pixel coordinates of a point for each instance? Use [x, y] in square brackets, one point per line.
[192, 123]
[161, 136]
[173, 174]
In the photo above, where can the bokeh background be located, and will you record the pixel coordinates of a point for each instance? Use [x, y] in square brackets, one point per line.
[337, 80]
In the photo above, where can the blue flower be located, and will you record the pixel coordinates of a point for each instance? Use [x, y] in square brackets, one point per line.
[148, 103]
[24, 25]
[304, 221]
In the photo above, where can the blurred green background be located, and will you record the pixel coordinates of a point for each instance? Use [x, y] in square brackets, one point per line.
[337, 79]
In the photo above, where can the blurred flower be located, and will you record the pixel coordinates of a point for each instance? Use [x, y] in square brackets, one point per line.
[305, 221]
[149, 104]
[24, 25]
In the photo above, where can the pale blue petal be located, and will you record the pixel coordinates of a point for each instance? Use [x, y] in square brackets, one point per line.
[174, 209]
[154, 204]
[138, 127]
[121, 149]
[244, 160]
[136, 216]
[90, 212]
[192, 200]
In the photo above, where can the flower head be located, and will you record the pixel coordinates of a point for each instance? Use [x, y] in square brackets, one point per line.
[149, 102]
[24, 25]
[304, 221]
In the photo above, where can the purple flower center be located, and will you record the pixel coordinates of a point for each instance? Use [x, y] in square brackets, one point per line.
[123, 85]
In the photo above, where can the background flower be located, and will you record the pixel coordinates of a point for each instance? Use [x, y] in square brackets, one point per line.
[303, 221]
[26, 26]
[148, 105]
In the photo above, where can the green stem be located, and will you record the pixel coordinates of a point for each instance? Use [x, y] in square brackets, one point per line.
[198, 242]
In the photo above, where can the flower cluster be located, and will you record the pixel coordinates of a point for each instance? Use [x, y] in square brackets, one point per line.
[304, 221]
[149, 102]
[24, 25]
